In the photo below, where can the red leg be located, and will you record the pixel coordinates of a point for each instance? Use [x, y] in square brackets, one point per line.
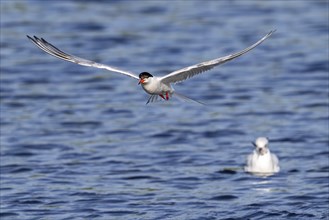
[167, 96]
[162, 96]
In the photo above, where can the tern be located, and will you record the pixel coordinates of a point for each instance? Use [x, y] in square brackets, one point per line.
[155, 86]
[262, 161]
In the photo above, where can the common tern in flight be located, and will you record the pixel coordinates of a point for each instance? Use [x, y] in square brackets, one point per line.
[155, 86]
[262, 161]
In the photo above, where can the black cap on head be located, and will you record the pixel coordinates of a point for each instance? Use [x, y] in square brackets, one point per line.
[145, 75]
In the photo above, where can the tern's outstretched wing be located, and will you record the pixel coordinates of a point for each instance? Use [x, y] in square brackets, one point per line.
[52, 50]
[188, 72]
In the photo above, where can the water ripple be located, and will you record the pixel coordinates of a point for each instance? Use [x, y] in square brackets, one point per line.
[80, 143]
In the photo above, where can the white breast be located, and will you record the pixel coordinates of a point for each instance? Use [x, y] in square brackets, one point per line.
[267, 163]
[155, 87]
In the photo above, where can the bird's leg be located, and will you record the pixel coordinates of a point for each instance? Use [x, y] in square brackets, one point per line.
[161, 96]
[167, 96]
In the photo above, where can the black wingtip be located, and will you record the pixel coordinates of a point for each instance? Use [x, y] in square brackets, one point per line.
[272, 31]
[31, 39]
[34, 38]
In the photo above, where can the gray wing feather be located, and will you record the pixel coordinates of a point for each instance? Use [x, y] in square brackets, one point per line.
[54, 51]
[188, 72]
[275, 159]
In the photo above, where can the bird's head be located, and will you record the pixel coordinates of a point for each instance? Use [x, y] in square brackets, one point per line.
[144, 77]
[261, 145]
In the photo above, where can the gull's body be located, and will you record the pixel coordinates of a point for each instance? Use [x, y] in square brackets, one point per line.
[155, 86]
[262, 161]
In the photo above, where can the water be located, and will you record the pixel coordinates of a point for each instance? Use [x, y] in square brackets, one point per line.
[80, 143]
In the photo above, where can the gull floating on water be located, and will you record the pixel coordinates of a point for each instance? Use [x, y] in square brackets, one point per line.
[262, 161]
[155, 86]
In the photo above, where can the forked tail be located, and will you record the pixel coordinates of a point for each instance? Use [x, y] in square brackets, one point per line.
[187, 98]
[154, 98]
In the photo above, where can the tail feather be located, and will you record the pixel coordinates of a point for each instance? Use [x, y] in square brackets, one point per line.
[154, 98]
[187, 98]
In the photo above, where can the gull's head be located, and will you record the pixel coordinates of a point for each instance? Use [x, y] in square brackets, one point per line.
[144, 78]
[261, 145]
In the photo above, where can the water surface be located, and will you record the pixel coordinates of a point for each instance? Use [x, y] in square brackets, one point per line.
[80, 143]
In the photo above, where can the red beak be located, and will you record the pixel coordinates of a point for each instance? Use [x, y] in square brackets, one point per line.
[141, 81]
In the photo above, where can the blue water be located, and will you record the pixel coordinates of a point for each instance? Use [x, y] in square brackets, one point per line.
[80, 143]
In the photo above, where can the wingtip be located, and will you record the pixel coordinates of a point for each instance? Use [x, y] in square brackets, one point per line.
[272, 31]
[269, 34]
[35, 38]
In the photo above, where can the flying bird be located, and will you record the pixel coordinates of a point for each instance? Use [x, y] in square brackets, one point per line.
[153, 85]
[262, 161]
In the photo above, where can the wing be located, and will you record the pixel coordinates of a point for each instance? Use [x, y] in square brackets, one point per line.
[52, 50]
[249, 160]
[188, 72]
[275, 159]
[248, 166]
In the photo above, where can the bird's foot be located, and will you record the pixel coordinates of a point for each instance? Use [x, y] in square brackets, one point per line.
[165, 97]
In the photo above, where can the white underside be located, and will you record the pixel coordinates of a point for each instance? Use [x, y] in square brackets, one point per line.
[156, 87]
[267, 163]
